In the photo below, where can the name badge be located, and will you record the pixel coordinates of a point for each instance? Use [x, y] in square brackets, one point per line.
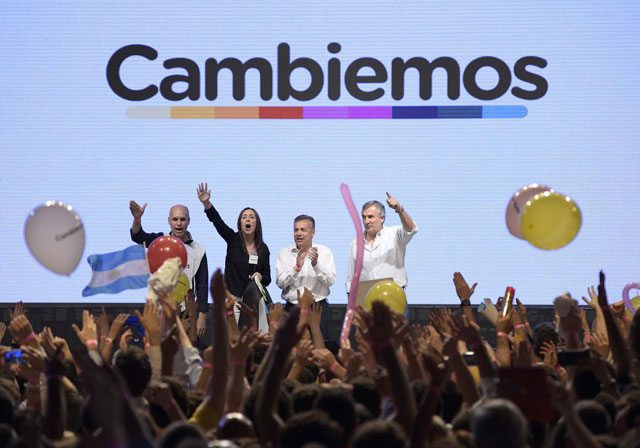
[253, 258]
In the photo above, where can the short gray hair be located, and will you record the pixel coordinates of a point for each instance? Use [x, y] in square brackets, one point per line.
[375, 204]
[305, 217]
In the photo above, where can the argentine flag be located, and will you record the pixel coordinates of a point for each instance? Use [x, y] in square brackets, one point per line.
[117, 271]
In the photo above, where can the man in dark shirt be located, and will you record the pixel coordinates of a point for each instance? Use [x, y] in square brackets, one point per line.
[196, 269]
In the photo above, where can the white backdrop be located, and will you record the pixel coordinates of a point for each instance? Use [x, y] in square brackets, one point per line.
[65, 135]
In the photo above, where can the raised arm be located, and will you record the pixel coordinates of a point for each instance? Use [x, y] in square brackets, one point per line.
[464, 294]
[619, 351]
[405, 219]
[204, 194]
[136, 212]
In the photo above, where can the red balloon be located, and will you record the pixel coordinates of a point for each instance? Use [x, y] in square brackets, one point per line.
[163, 248]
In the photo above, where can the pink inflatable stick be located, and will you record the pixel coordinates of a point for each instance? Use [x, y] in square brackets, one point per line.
[625, 296]
[355, 281]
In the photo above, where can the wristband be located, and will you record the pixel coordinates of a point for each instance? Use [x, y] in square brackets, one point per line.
[334, 366]
[136, 220]
[147, 345]
[502, 333]
[207, 365]
[91, 342]
[304, 311]
[518, 326]
[297, 268]
[400, 211]
[526, 324]
[274, 324]
[108, 340]
[169, 405]
[384, 344]
[239, 362]
[55, 377]
[464, 303]
[230, 313]
[103, 337]
[476, 344]
[587, 333]
[29, 337]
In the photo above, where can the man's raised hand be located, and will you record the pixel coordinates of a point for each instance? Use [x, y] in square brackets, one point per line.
[136, 210]
[462, 288]
[393, 203]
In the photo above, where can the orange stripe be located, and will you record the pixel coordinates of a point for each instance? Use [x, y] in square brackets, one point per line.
[192, 112]
[236, 112]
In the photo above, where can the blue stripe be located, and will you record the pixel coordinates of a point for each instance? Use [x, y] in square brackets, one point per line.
[504, 111]
[107, 262]
[132, 282]
[459, 111]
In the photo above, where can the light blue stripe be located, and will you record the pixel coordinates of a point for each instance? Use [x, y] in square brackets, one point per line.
[132, 282]
[504, 111]
[107, 262]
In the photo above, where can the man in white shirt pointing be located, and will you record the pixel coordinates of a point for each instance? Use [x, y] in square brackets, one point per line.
[384, 247]
[306, 265]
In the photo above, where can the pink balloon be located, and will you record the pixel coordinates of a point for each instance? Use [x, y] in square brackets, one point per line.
[517, 203]
[625, 296]
[355, 281]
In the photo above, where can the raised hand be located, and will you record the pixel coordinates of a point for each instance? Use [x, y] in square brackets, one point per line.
[117, 324]
[275, 312]
[305, 300]
[240, 348]
[287, 335]
[393, 203]
[136, 210]
[159, 393]
[21, 330]
[600, 344]
[522, 311]
[3, 329]
[323, 358]
[462, 288]
[250, 311]
[125, 339]
[102, 323]
[462, 329]
[18, 310]
[149, 320]
[191, 304]
[204, 194]
[218, 291]
[89, 332]
[315, 315]
[169, 309]
[602, 293]
[439, 320]
[593, 297]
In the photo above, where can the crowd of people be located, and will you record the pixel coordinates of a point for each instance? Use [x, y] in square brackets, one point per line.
[556, 384]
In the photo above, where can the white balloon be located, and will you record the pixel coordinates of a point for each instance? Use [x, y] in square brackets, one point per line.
[55, 236]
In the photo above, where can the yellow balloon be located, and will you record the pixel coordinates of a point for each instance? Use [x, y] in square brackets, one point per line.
[550, 220]
[389, 293]
[180, 291]
[636, 304]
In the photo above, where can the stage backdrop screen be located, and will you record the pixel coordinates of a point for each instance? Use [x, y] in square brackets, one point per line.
[450, 106]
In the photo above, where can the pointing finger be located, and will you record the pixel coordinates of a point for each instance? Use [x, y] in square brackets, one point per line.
[388, 195]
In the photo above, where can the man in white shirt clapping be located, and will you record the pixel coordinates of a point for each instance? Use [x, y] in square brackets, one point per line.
[306, 265]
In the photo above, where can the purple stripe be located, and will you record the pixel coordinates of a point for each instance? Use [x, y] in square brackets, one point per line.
[323, 112]
[370, 112]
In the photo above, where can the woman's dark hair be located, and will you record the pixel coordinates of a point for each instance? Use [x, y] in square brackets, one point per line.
[257, 235]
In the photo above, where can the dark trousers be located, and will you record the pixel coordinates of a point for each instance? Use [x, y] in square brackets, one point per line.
[324, 317]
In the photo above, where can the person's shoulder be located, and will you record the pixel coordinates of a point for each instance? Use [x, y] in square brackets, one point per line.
[287, 249]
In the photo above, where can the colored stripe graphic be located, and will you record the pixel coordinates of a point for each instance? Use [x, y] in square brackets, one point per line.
[327, 112]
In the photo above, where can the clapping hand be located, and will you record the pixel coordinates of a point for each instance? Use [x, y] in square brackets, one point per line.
[462, 288]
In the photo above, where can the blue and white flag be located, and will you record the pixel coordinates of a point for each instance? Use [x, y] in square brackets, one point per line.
[117, 271]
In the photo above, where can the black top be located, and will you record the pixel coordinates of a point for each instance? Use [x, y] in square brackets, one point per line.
[236, 267]
[202, 273]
